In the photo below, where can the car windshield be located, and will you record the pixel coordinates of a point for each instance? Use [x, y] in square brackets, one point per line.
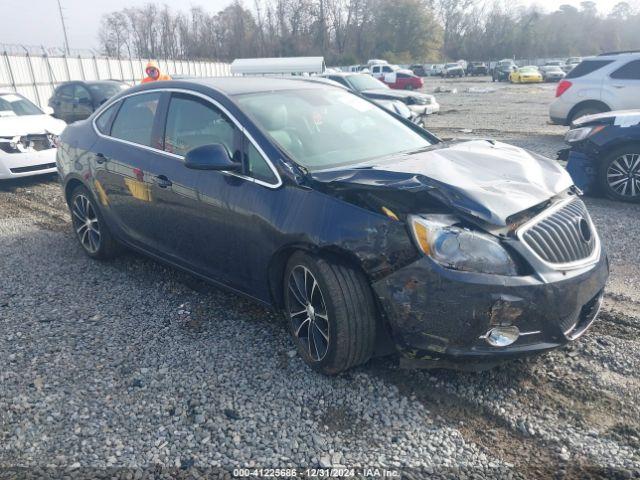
[451, 65]
[106, 90]
[324, 128]
[365, 82]
[529, 70]
[12, 105]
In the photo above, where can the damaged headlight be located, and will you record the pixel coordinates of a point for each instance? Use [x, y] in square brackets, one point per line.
[579, 134]
[460, 248]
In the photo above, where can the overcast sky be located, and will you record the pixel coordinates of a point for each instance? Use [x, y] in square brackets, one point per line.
[36, 22]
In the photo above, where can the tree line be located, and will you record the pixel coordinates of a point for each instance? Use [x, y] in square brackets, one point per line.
[351, 31]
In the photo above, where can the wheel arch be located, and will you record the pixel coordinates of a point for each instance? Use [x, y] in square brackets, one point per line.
[279, 260]
[71, 185]
[583, 104]
[618, 144]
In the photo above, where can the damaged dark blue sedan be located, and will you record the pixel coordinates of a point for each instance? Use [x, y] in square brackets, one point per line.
[368, 232]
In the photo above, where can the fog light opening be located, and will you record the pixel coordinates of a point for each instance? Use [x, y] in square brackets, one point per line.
[502, 336]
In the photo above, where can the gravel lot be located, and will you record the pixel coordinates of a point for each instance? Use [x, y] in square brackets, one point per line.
[128, 368]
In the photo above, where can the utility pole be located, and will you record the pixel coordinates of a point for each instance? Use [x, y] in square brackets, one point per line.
[64, 29]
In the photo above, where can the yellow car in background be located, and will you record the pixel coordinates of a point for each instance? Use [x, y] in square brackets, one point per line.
[528, 74]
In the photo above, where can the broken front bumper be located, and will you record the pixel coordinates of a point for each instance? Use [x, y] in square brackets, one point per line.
[442, 316]
[14, 165]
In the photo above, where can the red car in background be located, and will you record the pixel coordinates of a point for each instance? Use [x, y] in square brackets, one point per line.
[396, 77]
[407, 81]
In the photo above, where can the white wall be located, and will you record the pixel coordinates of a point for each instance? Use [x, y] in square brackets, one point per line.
[36, 76]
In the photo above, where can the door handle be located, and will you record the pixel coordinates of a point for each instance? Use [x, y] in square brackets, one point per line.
[163, 182]
[618, 86]
[100, 158]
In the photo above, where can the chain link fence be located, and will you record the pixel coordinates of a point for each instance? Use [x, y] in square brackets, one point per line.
[36, 75]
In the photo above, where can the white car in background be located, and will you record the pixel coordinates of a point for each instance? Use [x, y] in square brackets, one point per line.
[610, 81]
[28, 137]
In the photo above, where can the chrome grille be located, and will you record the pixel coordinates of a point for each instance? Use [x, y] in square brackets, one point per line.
[564, 236]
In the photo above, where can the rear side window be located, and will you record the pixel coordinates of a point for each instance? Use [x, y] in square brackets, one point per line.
[587, 67]
[104, 120]
[630, 71]
[134, 122]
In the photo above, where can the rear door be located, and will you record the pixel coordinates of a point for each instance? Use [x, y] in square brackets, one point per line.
[125, 159]
[625, 85]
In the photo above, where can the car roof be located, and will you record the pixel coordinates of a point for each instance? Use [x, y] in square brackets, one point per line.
[231, 86]
[92, 82]
[240, 85]
[617, 55]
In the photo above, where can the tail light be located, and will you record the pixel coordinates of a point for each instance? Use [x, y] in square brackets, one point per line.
[563, 86]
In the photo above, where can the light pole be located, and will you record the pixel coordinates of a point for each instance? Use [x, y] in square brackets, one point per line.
[64, 29]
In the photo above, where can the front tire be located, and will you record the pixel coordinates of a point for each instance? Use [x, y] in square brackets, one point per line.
[330, 312]
[619, 174]
[89, 226]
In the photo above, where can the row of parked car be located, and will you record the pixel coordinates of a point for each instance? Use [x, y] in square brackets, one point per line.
[610, 82]
[507, 70]
[551, 71]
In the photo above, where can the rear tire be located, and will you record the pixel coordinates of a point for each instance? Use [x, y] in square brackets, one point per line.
[89, 226]
[619, 174]
[330, 311]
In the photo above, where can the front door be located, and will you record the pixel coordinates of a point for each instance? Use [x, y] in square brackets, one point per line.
[202, 229]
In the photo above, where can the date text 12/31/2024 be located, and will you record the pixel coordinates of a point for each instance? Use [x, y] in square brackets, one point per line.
[372, 472]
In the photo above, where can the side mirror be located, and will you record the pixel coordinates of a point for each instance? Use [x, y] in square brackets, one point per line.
[48, 111]
[210, 157]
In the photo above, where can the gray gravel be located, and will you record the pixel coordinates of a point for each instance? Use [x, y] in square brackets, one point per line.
[135, 366]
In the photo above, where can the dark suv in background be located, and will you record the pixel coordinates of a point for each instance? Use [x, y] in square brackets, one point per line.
[73, 101]
[503, 69]
[477, 68]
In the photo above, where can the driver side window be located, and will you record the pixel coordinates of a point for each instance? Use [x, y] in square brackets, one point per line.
[193, 122]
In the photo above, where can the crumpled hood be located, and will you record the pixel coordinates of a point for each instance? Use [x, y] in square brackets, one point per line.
[14, 126]
[488, 180]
